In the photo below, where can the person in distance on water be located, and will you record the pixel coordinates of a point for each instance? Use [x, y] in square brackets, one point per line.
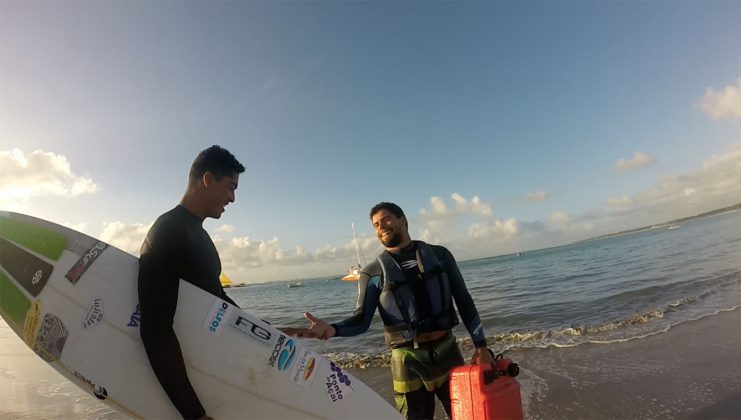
[177, 247]
[413, 285]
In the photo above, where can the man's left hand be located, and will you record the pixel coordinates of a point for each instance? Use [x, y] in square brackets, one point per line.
[482, 356]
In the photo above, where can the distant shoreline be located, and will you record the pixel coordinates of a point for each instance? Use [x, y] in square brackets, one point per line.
[664, 224]
[621, 233]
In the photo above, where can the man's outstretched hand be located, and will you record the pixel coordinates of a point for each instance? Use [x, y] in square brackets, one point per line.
[318, 328]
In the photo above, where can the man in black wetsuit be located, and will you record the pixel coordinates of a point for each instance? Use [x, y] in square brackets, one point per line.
[413, 285]
[177, 247]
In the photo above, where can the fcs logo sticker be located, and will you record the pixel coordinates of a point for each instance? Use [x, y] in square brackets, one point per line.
[37, 277]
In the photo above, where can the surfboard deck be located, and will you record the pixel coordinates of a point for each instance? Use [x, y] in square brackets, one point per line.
[73, 300]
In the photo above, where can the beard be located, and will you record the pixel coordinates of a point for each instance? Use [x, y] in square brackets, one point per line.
[392, 241]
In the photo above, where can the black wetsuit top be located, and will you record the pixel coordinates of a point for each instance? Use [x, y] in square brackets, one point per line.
[176, 247]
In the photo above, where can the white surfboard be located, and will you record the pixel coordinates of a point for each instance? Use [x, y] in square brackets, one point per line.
[73, 300]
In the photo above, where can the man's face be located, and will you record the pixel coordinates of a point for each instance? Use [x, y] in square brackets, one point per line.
[220, 193]
[390, 230]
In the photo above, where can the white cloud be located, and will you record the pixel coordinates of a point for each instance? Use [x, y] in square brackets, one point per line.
[722, 104]
[438, 206]
[619, 201]
[126, 237]
[559, 217]
[226, 229]
[39, 174]
[500, 229]
[639, 160]
[537, 196]
[248, 259]
[480, 208]
[439, 210]
[440, 223]
[718, 181]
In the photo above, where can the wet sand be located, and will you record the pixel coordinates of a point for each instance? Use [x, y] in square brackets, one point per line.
[31, 389]
[693, 371]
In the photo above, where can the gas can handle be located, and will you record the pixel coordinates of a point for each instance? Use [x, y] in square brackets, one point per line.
[493, 373]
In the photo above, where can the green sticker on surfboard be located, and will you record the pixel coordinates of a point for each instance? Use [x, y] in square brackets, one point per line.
[13, 302]
[43, 241]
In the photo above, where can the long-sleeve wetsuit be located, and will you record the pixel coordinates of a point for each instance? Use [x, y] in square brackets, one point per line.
[371, 285]
[176, 247]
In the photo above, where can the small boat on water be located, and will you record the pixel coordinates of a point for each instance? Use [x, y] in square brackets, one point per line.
[296, 284]
[353, 273]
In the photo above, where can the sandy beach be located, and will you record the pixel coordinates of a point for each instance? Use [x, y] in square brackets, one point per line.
[692, 371]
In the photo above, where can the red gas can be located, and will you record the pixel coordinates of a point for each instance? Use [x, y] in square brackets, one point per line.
[483, 392]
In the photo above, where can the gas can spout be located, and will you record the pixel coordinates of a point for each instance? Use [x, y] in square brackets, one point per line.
[507, 366]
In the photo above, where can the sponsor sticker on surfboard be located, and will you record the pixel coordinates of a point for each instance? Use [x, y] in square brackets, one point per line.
[337, 384]
[303, 371]
[85, 261]
[217, 316]
[253, 328]
[283, 353]
[32, 323]
[94, 313]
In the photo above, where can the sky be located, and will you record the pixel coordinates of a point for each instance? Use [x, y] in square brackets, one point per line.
[498, 127]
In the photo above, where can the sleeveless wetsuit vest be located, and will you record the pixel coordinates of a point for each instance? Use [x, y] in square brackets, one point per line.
[399, 301]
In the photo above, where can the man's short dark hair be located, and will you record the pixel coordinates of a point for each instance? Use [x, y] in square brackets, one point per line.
[390, 207]
[216, 160]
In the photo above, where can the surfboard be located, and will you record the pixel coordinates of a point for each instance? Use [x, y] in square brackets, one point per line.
[73, 300]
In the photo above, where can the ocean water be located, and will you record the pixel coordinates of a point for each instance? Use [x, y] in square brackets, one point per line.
[601, 291]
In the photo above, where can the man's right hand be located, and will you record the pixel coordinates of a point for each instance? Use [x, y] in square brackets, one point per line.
[318, 328]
